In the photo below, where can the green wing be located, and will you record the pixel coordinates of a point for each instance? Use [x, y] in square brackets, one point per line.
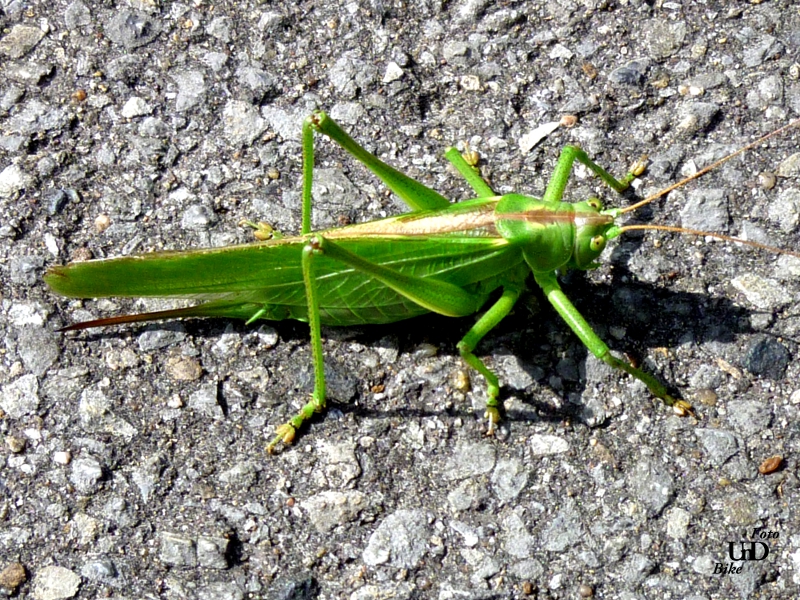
[266, 277]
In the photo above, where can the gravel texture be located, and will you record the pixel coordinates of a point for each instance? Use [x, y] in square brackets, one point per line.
[133, 458]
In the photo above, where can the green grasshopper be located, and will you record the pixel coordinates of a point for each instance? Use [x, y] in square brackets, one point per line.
[441, 257]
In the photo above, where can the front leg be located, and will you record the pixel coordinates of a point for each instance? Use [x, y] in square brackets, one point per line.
[576, 322]
[569, 154]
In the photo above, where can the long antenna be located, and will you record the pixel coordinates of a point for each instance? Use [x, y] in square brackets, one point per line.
[718, 236]
[710, 167]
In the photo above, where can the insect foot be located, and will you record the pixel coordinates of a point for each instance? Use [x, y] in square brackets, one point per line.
[262, 231]
[493, 415]
[286, 434]
[683, 408]
[639, 166]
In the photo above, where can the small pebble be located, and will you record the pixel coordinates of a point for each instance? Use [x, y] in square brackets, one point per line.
[767, 180]
[81, 254]
[53, 582]
[15, 444]
[175, 402]
[62, 457]
[568, 121]
[706, 397]
[101, 223]
[182, 368]
[425, 350]
[12, 576]
[460, 381]
[527, 588]
[770, 465]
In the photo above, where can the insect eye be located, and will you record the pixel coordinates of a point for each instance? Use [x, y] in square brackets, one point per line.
[597, 243]
[594, 203]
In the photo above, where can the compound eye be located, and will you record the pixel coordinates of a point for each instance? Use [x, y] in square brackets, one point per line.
[597, 243]
[595, 203]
